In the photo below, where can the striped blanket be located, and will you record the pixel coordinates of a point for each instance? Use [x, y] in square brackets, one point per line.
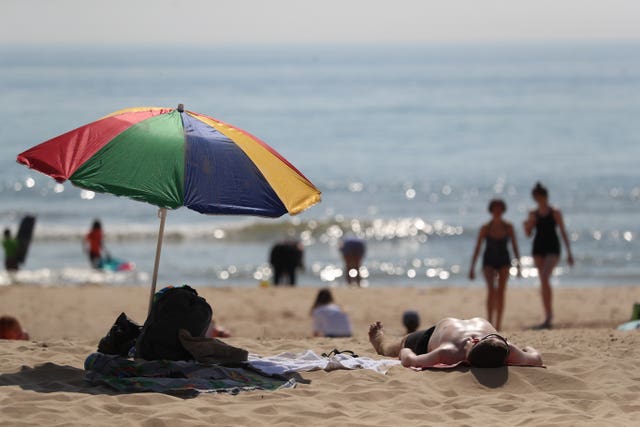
[177, 377]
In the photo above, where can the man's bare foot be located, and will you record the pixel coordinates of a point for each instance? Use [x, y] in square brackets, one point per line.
[376, 336]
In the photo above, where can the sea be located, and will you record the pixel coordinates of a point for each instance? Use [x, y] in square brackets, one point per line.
[407, 143]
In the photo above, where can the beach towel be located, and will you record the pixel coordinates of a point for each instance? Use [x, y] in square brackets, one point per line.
[184, 378]
[308, 360]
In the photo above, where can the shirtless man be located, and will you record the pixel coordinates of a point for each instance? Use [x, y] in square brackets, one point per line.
[452, 341]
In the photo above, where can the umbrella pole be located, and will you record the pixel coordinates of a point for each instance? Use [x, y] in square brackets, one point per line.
[162, 214]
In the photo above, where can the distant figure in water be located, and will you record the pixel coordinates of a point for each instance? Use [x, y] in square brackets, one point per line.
[496, 259]
[328, 318]
[286, 259]
[411, 321]
[93, 244]
[546, 245]
[10, 245]
[353, 251]
[10, 329]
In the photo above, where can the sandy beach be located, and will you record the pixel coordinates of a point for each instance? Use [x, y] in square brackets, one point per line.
[591, 376]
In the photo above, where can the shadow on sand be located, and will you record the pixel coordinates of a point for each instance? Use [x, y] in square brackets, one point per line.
[491, 378]
[488, 377]
[51, 378]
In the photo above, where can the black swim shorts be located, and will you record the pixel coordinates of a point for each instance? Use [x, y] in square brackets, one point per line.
[418, 341]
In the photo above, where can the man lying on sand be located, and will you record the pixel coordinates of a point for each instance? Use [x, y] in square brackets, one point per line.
[452, 341]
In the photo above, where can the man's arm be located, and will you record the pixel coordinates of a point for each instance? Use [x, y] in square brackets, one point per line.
[528, 356]
[440, 355]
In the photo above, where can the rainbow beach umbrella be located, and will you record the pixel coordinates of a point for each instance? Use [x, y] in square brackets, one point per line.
[172, 158]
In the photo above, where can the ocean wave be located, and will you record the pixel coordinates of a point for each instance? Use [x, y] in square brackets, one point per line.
[308, 231]
[73, 276]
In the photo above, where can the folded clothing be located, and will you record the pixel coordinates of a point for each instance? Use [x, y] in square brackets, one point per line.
[211, 350]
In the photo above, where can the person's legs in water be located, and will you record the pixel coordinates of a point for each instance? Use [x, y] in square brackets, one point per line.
[95, 259]
[356, 265]
[545, 266]
[277, 274]
[490, 278]
[353, 263]
[503, 277]
[382, 345]
[291, 272]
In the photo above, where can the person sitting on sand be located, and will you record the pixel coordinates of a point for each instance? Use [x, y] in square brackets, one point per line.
[452, 341]
[10, 329]
[328, 318]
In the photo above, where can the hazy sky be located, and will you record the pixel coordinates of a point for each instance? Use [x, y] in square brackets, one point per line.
[325, 21]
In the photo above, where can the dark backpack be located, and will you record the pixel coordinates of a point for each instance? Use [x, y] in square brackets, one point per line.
[172, 309]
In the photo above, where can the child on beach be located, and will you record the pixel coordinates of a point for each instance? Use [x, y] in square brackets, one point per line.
[328, 319]
[93, 245]
[546, 245]
[496, 259]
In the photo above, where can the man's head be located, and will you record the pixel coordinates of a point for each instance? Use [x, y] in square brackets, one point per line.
[411, 320]
[7, 233]
[489, 352]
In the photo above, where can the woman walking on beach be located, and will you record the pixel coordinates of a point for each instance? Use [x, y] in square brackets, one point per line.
[546, 245]
[496, 259]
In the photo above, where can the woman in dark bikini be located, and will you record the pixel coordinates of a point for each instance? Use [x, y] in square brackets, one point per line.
[496, 259]
[546, 245]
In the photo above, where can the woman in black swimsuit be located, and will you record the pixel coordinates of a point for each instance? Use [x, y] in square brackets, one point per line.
[546, 245]
[496, 259]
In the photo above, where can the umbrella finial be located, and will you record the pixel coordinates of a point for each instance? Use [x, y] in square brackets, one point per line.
[181, 108]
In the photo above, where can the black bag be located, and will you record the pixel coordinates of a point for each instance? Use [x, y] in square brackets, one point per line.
[172, 309]
[121, 337]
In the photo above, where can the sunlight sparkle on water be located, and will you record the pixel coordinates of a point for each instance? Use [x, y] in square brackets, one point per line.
[410, 193]
[87, 195]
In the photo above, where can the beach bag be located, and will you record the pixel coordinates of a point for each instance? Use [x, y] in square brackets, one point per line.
[121, 337]
[173, 308]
